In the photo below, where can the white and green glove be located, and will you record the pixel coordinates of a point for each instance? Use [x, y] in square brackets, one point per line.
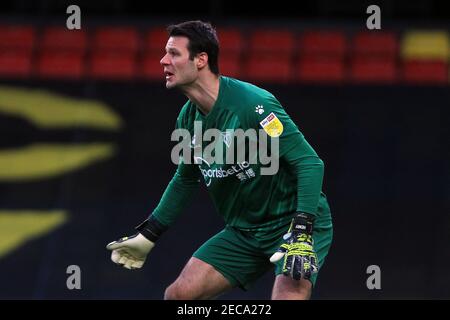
[131, 252]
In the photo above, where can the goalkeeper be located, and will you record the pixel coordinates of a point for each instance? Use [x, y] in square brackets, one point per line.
[282, 219]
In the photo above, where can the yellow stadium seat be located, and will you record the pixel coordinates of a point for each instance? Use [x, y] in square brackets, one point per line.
[425, 45]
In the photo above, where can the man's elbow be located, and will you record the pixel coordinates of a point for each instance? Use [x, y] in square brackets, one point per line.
[320, 165]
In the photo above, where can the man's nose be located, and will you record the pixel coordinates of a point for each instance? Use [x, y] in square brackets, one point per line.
[164, 60]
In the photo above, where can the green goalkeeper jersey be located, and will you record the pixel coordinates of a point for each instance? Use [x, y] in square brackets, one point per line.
[243, 196]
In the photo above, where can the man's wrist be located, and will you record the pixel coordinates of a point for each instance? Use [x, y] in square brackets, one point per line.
[151, 229]
[303, 222]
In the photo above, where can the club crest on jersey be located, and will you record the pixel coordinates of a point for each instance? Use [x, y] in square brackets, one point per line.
[272, 125]
[193, 142]
[227, 137]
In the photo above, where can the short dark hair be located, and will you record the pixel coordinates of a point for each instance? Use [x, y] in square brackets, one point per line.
[202, 38]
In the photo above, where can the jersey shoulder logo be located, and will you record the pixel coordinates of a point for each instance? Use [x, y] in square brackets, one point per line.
[272, 125]
[259, 109]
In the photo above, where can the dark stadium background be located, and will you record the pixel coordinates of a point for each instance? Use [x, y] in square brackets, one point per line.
[384, 143]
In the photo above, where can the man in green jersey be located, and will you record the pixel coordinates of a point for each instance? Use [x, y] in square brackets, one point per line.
[281, 217]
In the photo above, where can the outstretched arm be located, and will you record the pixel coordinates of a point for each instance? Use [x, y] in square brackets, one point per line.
[178, 194]
[131, 252]
[175, 199]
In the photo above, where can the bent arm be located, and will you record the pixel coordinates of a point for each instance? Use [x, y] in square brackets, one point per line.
[309, 169]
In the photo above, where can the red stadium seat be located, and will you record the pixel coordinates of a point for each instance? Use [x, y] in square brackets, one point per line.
[425, 71]
[321, 69]
[323, 43]
[272, 41]
[151, 68]
[270, 56]
[156, 40]
[230, 64]
[379, 43]
[268, 68]
[17, 37]
[60, 64]
[113, 65]
[368, 69]
[15, 63]
[116, 38]
[60, 38]
[231, 41]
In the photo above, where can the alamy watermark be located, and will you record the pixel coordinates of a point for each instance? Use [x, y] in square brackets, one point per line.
[374, 280]
[74, 280]
[74, 20]
[374, 20]
[232, 147]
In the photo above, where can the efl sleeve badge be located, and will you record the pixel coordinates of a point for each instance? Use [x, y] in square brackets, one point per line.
[272, 125]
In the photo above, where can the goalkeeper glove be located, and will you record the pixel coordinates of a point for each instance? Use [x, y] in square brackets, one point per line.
[131, 252]
[300, 260]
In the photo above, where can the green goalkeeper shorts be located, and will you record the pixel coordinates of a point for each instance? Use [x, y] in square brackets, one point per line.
[243, 256]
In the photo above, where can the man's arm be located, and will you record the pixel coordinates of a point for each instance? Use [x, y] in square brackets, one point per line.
[293, 149]
[178, 194]
[131, 252]
[309, 169]
[301, 260]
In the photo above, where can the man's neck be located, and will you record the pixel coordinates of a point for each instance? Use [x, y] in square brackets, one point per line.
[203, 92]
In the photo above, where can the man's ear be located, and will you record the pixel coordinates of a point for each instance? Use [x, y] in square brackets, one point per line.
[202, 60]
